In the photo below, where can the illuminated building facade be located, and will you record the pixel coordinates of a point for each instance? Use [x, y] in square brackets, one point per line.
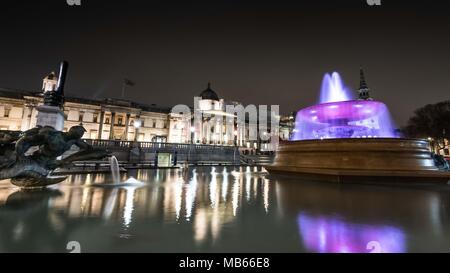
[124, 120]
[108, 119]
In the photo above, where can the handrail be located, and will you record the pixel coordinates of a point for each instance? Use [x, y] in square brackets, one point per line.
[155, 145]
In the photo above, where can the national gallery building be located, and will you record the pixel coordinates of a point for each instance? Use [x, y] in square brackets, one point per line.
[124, 120]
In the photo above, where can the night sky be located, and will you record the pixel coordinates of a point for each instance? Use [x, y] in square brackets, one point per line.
[259, 52]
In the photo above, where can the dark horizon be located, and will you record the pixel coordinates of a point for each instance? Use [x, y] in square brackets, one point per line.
[255, 52]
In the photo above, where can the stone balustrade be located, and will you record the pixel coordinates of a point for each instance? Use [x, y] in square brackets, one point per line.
[146, 151]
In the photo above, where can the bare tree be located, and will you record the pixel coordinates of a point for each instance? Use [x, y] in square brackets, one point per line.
[431, 121]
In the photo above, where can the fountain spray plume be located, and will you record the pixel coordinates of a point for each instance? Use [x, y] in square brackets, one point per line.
[115, 169]
[333, 89]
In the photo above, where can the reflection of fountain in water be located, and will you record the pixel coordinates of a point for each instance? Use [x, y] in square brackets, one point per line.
[111, 201]
[115, 170]
[110, 204]
[130, 186]
[333, 235]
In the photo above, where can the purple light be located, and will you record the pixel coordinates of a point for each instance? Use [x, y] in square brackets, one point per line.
[331, 235]
[339, 117]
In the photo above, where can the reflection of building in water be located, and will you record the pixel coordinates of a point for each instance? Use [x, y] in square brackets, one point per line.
[207, 200]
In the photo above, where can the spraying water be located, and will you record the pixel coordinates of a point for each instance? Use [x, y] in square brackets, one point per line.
[338, 115]
[333, 89]
[115, 171]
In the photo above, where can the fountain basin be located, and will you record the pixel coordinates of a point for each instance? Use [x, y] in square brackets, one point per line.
[344, 119]
[352, 110]
[359, 160]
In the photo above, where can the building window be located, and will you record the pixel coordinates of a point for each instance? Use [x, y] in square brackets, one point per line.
[120, 121]
[159, 139]
[107, 120]
[132, 122]
[95, 118]
[80, 117]
[165, 124]
[142, 123]
[93, 134]
[6, 114]
[154, 124]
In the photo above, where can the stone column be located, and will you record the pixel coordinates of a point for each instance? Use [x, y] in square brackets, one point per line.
[127, 123]
[26, 120]
[207, 129]
[236, 135]
[100, 127]
[136, 129]
[33, 119]
[111, 130]
[220, 123]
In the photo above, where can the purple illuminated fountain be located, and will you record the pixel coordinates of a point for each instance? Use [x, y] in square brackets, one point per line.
[339, 115]
[343, 139]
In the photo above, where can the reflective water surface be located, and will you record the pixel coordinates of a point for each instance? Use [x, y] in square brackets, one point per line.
[223, 209]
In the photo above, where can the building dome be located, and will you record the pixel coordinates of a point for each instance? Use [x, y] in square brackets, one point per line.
[209, 94]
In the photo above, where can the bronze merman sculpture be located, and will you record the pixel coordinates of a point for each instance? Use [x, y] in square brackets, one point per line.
[29, 158]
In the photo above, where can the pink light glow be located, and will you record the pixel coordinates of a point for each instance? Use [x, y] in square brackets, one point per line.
[331, 235]
[348, 110]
